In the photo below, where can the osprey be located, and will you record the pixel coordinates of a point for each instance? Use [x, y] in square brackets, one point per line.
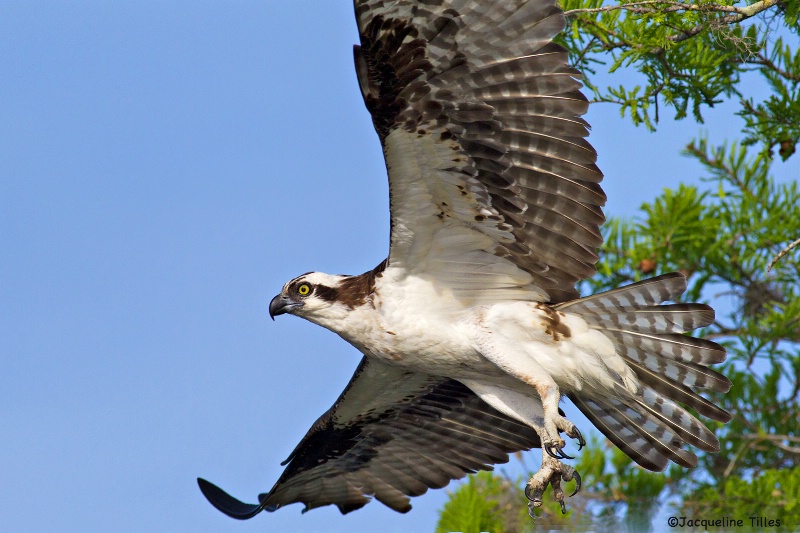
[472, 329]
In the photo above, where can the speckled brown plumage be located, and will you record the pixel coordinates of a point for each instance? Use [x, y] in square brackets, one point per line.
[491, 80]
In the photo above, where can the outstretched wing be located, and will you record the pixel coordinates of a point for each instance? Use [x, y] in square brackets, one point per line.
[494, 190]
[391, 434]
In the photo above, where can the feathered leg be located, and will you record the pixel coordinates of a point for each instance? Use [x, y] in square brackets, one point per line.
[506, 354]
[544, 416]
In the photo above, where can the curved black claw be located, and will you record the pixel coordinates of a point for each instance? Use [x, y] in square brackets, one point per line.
[563, 508]
[556, 452]
[530, 511]
[552, 454]
[577, 477]
[226, 503]
[581, 440]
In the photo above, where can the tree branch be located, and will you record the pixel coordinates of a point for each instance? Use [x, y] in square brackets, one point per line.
[764, 61]
[736, 15]
[782, 253]
[655, 6]
[739, 453]
[776, 440]
[740, 14]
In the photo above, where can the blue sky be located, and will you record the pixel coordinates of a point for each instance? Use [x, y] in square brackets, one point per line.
[164, 168]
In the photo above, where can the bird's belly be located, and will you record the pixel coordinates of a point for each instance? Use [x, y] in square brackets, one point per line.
[442, 351]
[532, 338]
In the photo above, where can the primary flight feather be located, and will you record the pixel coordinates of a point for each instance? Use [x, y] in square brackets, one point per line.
[472, 330]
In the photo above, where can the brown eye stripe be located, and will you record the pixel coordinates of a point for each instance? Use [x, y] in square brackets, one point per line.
[329, 294]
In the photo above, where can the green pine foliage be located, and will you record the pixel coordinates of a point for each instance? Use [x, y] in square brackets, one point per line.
[723, 239]
[485, 503]
[772, 494]
[692, 55]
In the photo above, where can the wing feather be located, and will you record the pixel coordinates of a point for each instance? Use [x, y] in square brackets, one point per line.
[479, 113]
[390, 435]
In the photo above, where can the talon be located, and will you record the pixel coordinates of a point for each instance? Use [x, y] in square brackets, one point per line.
[530, 510]
[563, 508]
[556, 452]
[534, 500]
[549, 449]
[577, 477]
[581, 440]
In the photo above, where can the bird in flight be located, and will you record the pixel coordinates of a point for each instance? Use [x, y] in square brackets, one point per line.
[472, 329]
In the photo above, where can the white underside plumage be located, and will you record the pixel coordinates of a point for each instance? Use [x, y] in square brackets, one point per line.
[619, 355]
[503, 351]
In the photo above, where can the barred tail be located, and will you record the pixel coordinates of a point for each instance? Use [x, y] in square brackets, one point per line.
[651, 427]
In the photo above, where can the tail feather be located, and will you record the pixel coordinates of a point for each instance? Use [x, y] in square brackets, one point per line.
[689, 428]
[624, 437]
[670, 346]
[677, 318]
[681, 393]
[650, 436]
[649, 425]
[645, 293]
[689, 374]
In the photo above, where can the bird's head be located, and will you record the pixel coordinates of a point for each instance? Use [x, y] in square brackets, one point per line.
[313, 296]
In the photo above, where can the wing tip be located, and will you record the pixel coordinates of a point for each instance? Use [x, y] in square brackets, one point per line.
[227, 504]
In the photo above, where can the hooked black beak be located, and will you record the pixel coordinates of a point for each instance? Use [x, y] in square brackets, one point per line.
[280, 305]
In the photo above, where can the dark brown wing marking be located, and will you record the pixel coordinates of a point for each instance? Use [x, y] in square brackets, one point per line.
[390, 435]
[484, 78]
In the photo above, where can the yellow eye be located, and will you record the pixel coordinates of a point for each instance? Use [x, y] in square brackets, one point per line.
[304, 289]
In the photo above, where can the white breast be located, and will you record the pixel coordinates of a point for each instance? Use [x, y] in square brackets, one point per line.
[411, 323]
